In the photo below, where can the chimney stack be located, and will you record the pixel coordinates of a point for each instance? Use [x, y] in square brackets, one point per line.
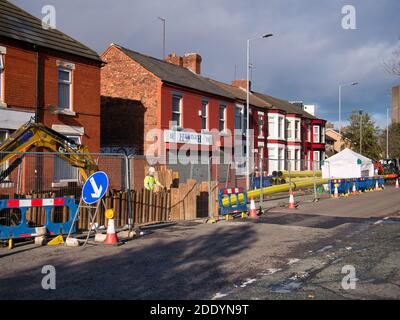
[174, 59]
[241, 84]
[192, 61]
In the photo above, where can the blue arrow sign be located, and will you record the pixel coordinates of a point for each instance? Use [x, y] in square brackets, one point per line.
[95, 187]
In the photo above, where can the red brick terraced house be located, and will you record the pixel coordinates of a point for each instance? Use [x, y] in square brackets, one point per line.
[259, 110]
[47, 73]
[140, 93]
[293, 134]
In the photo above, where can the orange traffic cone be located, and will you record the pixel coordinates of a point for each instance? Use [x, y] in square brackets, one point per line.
[336, 191]
[291, 201]
[253, 210]
[111, 237]
[354, 189]
[397, 184]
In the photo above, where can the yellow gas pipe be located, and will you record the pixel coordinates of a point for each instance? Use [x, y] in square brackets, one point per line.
[275, 189]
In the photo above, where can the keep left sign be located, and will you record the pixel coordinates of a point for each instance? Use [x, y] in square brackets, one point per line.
[95, 187]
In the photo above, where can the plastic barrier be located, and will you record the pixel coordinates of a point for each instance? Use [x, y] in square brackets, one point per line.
[345, 186]
[238, 206]
[256, 182]
[24, 230]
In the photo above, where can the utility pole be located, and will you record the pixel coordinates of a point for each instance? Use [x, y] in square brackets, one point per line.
[164, 22]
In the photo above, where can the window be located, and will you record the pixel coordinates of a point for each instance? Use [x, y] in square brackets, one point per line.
[298, 161]
[288, 129]
[271, 127]
[316, 134]
[222, 117]
[317, 159]
[177, 110]
[322, 134]
[308, 133]
[281, 134]
[64, 88]
[297, 129]
[4, 166]
[1, 77]
[281, 158]
[261, 125]
[204, 115]
[238, 118]
[63, 171]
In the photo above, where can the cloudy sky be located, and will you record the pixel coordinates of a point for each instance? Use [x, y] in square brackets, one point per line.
[308, 57]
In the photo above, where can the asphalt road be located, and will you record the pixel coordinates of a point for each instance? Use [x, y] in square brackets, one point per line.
[231, 260]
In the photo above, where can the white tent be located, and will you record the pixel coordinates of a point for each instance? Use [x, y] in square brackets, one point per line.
[347, 164]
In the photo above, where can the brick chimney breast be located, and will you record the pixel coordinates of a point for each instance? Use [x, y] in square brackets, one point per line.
[192, 61]
[174, 59]
[242, 83]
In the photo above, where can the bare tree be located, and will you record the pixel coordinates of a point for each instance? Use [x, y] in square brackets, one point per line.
[393, 64]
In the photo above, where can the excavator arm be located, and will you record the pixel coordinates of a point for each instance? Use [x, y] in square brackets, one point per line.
[33, 134]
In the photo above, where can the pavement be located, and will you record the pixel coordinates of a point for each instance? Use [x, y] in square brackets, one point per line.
[286, 254]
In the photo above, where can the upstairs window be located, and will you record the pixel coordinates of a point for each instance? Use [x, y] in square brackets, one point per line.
[222, 117]
[316, 134]
[271, 127]
[204, 115]
[261, 125]
[64, 89]
[297, 129]
[238, 118]
[177, 110]
[322, 134]
[288, 129]
[281, 128]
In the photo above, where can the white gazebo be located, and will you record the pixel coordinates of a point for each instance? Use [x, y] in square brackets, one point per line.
[347, 164]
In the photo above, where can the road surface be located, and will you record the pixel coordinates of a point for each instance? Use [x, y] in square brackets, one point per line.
[231, 260]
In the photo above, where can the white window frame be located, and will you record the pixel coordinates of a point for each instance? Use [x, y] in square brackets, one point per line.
[297, 129]
[204, 117]
[281, 127]
[220, 120]
[68, 82]
[308, 133]
[272, 126]
[64, 181]
[316, 133]
[322, 134]
[180, 97]
[239, 110]
[288, 129]
[315, 160]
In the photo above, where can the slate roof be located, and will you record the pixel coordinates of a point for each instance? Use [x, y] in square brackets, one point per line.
[240, 94]
[18, 24]
[174, 74]
[284, 105]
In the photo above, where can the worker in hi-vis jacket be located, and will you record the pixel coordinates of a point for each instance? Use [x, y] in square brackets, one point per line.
[150, 181]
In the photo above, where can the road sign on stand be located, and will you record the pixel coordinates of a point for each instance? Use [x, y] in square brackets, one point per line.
[95, 187]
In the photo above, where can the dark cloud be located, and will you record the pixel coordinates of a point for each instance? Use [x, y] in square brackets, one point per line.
[307, 58]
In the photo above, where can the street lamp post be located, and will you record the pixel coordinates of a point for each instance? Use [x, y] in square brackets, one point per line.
[163, 21]
[387, 133]
[340, 102]
[361, 119]
[248, 109]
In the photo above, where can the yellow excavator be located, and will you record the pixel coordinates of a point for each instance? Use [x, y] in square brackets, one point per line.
[33, 134]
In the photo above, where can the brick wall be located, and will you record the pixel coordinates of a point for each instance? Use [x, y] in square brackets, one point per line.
[20, 88]
[125, 79]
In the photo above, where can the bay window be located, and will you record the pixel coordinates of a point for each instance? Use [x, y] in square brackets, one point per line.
[316, 138]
